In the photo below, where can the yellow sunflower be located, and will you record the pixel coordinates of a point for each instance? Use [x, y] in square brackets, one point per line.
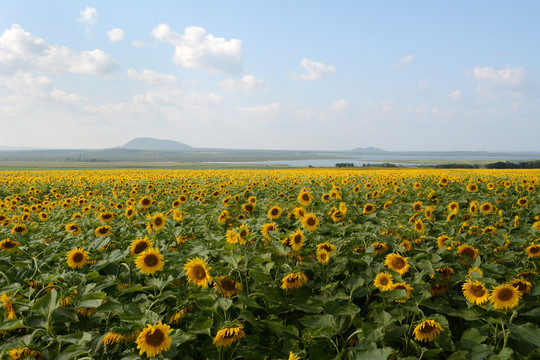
[523, 202]
[106, 216]
[323, 256]
[486, 208]
[504, 297]
[77, 257]
[43, 216]
[266, 228]
[326, 246]
[475, 292]
[227, 287]
[397, 263]
[197, 272]
[468, 251]
[24, 353]
[304, 198]
[310, 222]
[296, 240]
[154, 339]
[73, 228]
[427, 330]
[402, 286]
[8, 305]
[139, 245]
[383, 281]
[472, 188]
[103, 230]
[368, 209]
[149, 261]
[292, 356]
[379, 248]
[8, 244]
[274, 212]
[523, 286]
[145, 202]
[158, 221]
[226, 336]
[533, 251]
[19, 229]
[293, 281]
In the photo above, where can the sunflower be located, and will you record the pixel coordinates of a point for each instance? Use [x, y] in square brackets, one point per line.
[292, 356]
[337, 215]
[158, 221]
[77, 257]
[149, 261]
[248, 207]
[368, 209]
[417, 206]
[504, 297]
[145, 202]
[444, 273]
[274, 212]
[243, 233]
[19, 229]
[8, 244]
[73, 228]
[523, 201]
[523, 286]
[24, 353]
[43, 216]
[427, 330]
[323, 256]
[197, 272]
[310, 222]
[8, 305]
[419, 226]
[106, 216]
[475, 292]
[472, 188]
[232, 236]
[112, 338]
[533, 251]
[226, 336]
[397, 263]
[466, 251]
[379, 248]
[227, 287]
[154, 339]
[383, 281]
[296, 240]
[402, 286]
[224, 217]
[486, 208]
[266, 228]
[304, 197]
[453, 206]
[326, 246]
[293, 281]
[438, 289]
[475, 273]
[139, 245]
[103, 230]
[174, 318]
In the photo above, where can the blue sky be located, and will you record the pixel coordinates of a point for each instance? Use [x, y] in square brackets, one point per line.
[301, 75]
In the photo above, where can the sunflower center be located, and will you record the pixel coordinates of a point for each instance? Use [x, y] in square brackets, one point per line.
[140, 247]
[369, 208]
[9, 244]
[199, 272]
[274, 212]
[103, 230]
[384, 281]
[19, 229]
[297, 239]
[477, 291]
[78, 257]
[520, 286]
[534, 249]
[505, 294]
[158, 221]
[305, 197]
[227, 284]
[146, 202]
[468, 252]
[310, 221]
[427, 329]
[156, 338]
[398, 263]
[151, 260]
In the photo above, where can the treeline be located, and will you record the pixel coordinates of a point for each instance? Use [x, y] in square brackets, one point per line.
[532, 164]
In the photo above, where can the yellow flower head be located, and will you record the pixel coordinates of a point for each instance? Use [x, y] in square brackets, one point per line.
[154, 339]
[225, 337]
[77, 257]
[427, 330]
[150, 261]
[197, 272]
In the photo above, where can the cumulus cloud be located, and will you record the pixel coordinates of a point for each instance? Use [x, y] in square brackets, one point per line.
[339, 105]
[247, 84]
[89, 15]
[509, 81]
[195, 49]
[455, 95]
[21, 50]
[115, 34]
[315, 70]
[151, 77]
[272, 108]
[404, 61]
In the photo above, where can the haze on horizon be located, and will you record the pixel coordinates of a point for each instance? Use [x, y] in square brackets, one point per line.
[302, 75]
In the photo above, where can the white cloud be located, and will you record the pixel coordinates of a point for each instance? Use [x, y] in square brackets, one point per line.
[339, 105]
[455, 95]
[89, 15]
[509, 76]
[404, 61]
[115, 34]
[151, 77]
[21, 50]
[138, 43]
[424, 83]
[195, 49]
[247, 84]
[272, 108]
[315, 70]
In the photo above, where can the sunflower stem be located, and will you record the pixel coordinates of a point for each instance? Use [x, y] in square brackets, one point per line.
[507, 333]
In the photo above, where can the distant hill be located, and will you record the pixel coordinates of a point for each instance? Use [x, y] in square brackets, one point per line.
[155, 145]
[368, 150]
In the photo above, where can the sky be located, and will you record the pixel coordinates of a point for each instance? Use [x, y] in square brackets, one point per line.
[291, 75]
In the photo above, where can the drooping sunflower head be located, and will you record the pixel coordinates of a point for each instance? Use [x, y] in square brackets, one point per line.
[465, 253]
[227, 287]
[523, 286]
[150, 261]
[293, 281]
[226, 336]
[77, 257]
[139, 245]
[504, 297]
[106, 216]
[379, 247]
[19, 229]
[103, 230]
[24, 353]
[397, 263]
[8, 244]
[197, 272]
[296, 240]
[383, 281]
[154, 339]
[427, 330]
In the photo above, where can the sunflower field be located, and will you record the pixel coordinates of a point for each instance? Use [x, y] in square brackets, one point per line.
[270, 264]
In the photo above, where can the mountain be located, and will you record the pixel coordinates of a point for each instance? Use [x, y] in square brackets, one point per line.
[368, 150]
[155, 145]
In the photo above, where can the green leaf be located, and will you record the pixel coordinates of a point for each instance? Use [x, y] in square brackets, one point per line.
[318, 321]
[470, 338]
[459, 355]
[528, 333]
[64, 314]
[46, 304]
[353, 282]
[426, 266]
[11, 324]
[378, 354]
[72, 352]
[281, 330]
